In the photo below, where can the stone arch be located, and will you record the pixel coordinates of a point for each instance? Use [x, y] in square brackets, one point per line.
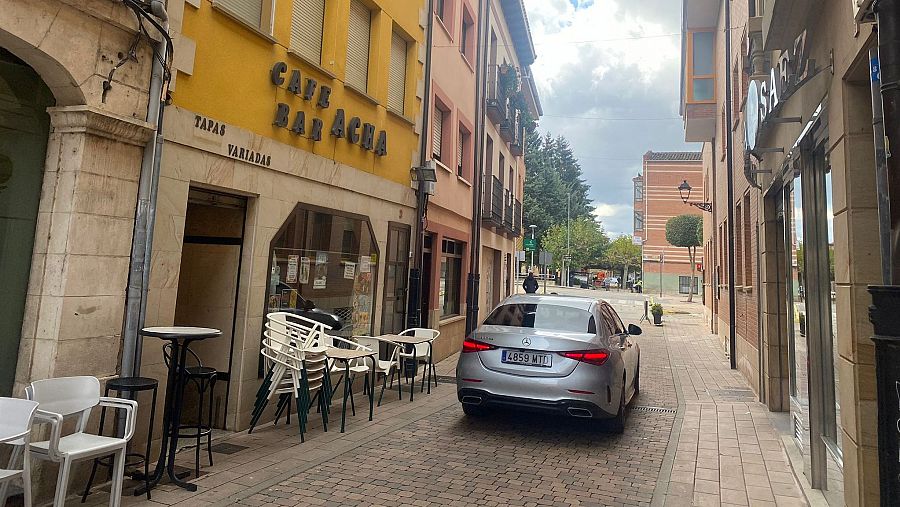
[52, 71]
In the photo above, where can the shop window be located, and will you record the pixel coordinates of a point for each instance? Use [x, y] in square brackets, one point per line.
[701, 70]
[397, 74]
[684, 285]
[359, 27]
[307, 22]
[323, 266]
[638, 220]
[257, 14]
[451, 277]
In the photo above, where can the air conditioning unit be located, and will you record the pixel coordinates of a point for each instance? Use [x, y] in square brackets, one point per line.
[862, 11]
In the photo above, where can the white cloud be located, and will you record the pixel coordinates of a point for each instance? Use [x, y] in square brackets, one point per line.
[617, 218]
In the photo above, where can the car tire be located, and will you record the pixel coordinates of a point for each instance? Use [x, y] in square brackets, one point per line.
[616, 425]
[637, 380]
[472, 410]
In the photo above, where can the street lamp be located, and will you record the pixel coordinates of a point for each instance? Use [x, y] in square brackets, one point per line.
[533, 227]
[685, 197]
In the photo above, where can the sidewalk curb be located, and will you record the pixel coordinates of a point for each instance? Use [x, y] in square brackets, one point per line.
[660, 493]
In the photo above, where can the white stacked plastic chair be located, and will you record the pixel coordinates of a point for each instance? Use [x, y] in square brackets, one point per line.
[64, 397]
[356, 367]
[424, 352]
[384, 367]
[15, 429]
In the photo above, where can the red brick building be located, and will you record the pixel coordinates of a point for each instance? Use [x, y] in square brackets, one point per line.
[656, 200]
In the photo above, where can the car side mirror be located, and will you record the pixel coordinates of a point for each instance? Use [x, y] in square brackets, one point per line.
[634, 330]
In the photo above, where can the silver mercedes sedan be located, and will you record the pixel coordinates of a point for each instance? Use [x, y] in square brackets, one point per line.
[566, 355]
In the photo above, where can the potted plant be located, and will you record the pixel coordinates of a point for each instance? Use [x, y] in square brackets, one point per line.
[657, 311]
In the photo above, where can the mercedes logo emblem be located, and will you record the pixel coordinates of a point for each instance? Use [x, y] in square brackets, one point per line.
[526, 341]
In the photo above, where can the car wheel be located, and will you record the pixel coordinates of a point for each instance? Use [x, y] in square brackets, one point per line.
[617, 424]
[637, 380]
[472, 410]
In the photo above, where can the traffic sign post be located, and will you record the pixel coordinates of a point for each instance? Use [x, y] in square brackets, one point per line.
[530, 244]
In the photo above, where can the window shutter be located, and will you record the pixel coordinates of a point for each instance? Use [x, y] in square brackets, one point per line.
[397, 73]
[307, 20]
[248, 11]
[437, 124]
[359, 25]
[459, 153]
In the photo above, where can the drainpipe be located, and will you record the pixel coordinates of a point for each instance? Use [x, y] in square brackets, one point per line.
[414, 301]
[888, 19]
[474, 278]
[729, 160]
[145, 214]
[882, 177]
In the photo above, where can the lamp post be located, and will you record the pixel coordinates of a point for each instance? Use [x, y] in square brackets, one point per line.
[425, 177]
[685, 190]
[568, 260]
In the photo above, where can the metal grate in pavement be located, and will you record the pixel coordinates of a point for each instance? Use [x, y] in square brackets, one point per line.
[226, 448]
[656, 410]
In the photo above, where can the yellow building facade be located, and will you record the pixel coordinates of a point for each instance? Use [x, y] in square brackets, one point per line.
[285, 178]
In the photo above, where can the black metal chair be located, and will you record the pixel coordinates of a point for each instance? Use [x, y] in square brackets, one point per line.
[128, 387]
[204, 378]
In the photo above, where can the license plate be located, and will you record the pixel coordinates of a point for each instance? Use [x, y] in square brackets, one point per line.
[527, 358]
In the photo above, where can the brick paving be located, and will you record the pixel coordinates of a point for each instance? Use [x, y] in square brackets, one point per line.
[718, 449]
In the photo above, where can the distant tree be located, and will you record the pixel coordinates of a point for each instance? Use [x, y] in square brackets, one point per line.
[587, 242]
[622, 254]
[681, 231]
[553, 179]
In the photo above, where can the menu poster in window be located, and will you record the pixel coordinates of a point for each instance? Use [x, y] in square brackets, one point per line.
[349, 270]
[365, 264]
[362, 303]
[304, 270]
[274, 302]
[321, 270]
[293, 261]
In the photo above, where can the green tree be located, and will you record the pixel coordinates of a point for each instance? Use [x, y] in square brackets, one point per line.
[622, 254]
[587, 242]
[681, 231]
[553, 179]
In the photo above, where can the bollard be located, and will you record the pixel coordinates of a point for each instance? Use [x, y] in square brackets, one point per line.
[885, 317]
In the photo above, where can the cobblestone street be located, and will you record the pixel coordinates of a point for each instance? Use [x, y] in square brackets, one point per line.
[694, 436]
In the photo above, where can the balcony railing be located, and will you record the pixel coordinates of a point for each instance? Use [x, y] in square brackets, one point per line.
[496, 103]
[492, 201]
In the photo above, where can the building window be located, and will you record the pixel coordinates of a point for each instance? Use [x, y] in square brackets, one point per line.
[307, 22]
[462, 150]
[397, 74]
[440, 8]
[467, 37]
[639, 220]
[748, 246]
[702, 80]
[437, 132]
[451, 277]
[323, 263]
[639, 190]
[739, 246]
[684, 285]
[257, 14]
[359, 28]
[500, 166]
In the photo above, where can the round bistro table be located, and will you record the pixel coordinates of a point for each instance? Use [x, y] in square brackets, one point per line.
[180, 338]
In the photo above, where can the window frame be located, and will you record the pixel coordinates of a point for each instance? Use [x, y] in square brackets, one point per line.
[266, 27]
[405, 92]
[689, 72]
[639, 217]
[363, 89]
[457, 254]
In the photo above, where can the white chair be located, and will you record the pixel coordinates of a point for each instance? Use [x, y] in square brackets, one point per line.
[60, 398]
[15, 429]
[382, 366]
[423, 353]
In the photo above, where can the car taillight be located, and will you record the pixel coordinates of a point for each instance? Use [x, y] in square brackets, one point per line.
[596, 357]
[470, 345]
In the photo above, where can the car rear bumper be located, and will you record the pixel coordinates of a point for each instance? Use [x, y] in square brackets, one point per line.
[570, 408]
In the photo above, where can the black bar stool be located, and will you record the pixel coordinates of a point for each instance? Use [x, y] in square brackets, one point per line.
[204, 378]
[128, 386]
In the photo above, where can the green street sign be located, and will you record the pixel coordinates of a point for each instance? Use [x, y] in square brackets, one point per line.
[530, 244]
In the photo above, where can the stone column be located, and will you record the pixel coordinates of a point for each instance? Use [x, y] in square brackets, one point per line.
[76, 293]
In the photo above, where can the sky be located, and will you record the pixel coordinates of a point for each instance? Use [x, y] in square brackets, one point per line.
[608, 76]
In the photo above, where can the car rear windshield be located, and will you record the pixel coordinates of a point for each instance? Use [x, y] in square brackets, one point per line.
[543, 316]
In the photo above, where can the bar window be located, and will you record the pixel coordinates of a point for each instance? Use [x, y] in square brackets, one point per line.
[451, 277]
[322, 266]
[701, 66]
